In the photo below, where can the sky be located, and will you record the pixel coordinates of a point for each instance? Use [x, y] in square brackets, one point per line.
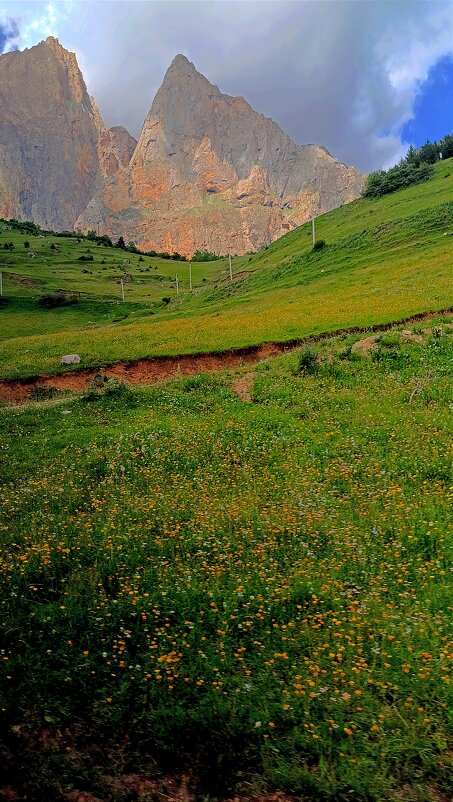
[363, 78]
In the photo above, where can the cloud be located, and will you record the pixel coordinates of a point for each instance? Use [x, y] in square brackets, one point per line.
[341, 74]
[9, 33]
[44, 24]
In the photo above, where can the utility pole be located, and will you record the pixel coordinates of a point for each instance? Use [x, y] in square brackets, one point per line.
[177, 285]
[313, 230]
[231, 271]
[190, 275]
[122, 288]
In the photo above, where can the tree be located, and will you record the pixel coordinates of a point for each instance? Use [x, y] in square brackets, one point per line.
[429, 152]
[446, 146]
[121, 244]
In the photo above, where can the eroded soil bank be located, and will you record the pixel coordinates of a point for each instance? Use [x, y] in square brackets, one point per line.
[154, 369]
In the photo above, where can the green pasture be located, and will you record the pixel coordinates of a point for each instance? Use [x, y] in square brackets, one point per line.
[255, 595]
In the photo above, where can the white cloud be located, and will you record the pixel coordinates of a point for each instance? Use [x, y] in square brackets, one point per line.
[342, 74]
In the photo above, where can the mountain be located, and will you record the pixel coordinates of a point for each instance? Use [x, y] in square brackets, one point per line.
[208, 172]
[54, 147]
[211, 173]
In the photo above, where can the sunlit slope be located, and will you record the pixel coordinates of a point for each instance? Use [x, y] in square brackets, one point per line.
[383, 260]
[90, 272]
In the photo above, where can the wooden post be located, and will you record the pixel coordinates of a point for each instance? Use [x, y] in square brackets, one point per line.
[231, 271]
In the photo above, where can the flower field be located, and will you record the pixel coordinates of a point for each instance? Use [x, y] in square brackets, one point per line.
[258, 594]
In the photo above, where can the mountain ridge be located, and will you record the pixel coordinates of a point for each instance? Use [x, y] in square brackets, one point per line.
[208, 172]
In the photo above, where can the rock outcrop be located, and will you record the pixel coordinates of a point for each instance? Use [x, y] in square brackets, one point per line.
[54, 147]
[211, 173]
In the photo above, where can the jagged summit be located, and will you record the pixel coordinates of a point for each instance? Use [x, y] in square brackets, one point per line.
[211, 173]
[181, 62]
[208, 172]
[54, 147]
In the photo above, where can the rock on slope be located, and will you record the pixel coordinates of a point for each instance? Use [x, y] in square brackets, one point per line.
[211, 173]
[54, 147]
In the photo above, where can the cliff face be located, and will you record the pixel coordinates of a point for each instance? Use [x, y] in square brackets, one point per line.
[54, 147]
[208, 171]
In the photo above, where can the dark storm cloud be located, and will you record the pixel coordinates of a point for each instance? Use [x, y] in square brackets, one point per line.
[337, 73]
[8, 32]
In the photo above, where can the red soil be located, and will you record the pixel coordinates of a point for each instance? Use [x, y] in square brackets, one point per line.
[154, 369]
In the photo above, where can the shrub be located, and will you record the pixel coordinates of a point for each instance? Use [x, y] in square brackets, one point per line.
[104, 388]
[205, 256]
[43, 392]
[319, 245]
[26, 244]
[113, 388]
[87, 258]
[55, 299]
[307, 362]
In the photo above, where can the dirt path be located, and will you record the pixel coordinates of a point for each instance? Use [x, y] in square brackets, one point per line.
[154, 369]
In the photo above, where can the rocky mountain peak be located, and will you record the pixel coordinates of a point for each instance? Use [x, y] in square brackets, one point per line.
[54, 147]
[181, 64]
[208, 171]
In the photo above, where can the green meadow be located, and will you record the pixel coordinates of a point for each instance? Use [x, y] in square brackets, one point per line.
[237, 583]
[383, 261]
[254, 594]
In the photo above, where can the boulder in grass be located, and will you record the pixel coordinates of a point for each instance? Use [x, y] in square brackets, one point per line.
[70, 359]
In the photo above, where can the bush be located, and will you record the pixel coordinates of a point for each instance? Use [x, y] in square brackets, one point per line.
[43, 392]
[307, 362]
[87, 258]
[55, 299]
[319, 245]
[102, 387]
[113, 388]
[205, 256]
[26, 244]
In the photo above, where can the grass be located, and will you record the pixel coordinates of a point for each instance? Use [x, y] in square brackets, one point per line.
[255, 592]
[384, 260]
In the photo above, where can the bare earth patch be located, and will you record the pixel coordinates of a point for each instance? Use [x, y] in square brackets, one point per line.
[366, 346]
[243, 387]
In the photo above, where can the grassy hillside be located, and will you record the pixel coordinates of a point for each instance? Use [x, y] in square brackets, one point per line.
[384, 260]
[253, 595]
